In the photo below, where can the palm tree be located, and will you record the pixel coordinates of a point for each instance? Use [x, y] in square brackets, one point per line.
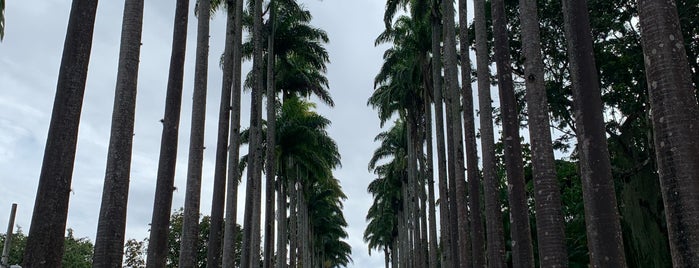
[495, 244]
[270, 164]
[157, 243]
[2, 19]
[190, 225]
[234, 25]
[474, 184]
[675, 119]
[522, 253]
[601, 215]
[109, 242]
[45, 241]
[216, 230]
[549, 218]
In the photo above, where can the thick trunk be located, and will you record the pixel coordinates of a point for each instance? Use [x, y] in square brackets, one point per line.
[495, 245]
[192, 199]
[270, 165]
[218, 199]
[109, 242]
[157, 243]
[45, 241]
[675, 126]
[445, 230]
[474, 182]
[522, 253]
[549, 218]
[604, 238]
[412, 218]
[451, 85]
[230, 236]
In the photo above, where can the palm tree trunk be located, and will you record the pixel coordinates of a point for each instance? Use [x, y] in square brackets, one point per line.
[282, 233]
[445, 230]
[218, 200]
[412, 218]
[157, 243]
[293, 221]
[251, 236]
[430, 185]
[675, 125]
[522, 252]
[601, 215]
[549, 218]
[495, 244]
[109, 242]
[270, 165]
[190, 224]
[474, 184]
[230, 236]
[45, 240]
[451, 85]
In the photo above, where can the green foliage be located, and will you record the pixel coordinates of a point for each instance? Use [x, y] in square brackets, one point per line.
[77, 251]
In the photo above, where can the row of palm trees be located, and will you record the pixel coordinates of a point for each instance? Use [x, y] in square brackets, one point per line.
[420, 71]
[292, 145]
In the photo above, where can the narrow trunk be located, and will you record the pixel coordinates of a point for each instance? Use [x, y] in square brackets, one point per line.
[218, 200]
[230, 236]
[604, 238]
[281, 227]
[412, 218]
[549, 218]
[451, 85]
[495, 244]
[251, 237]
[111, 227]
[675, 126]
[157, 243]
[45, 240]
[192, 199]
[474, 181]
[270, 165]
[293, 221]
[444, 214]
[434, 261]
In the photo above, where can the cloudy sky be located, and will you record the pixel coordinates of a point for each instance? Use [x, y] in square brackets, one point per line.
[29, 60]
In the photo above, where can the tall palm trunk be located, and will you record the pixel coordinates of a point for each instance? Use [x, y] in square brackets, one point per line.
[601, 215]
[109, 242]
[270, 165]
[293, 220]
[493, 216]
[230, 236]
[451, 85]
[157, 243]
[522, 253]
[218, 199]
[45, 241]
[445, 230]
[282, 233]
[476, 220]
[192, 199]
[549, 218]
[433, 256]
[251, 234]
[675, 125]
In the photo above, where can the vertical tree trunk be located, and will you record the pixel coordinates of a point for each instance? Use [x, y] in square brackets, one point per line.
[218, 199]
[270, 165]
[675, 126]
[495, 245]
[45, 241]
[251, 237]
[445, 231]
[522, 253]
[476, 220]
[601, 215]
[230, 236]
[433, 256]
[549, 218]
[157, 243]
[190, 224]
[293, 221]
[109, 242]
[282, 232]
[451, 85]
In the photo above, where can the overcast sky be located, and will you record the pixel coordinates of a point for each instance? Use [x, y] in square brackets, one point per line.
[29, 60]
